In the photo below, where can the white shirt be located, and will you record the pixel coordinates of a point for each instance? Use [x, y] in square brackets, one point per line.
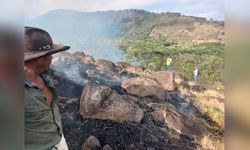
[196, 71]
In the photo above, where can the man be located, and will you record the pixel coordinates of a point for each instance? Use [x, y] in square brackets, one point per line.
[43, 127]
[169, 64]
[196, 74]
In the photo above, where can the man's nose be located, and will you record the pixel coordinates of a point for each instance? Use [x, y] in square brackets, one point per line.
[50, 57]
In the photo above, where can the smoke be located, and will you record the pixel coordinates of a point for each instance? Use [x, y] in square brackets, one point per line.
[96, 33]
[74, 69]
[69, 67]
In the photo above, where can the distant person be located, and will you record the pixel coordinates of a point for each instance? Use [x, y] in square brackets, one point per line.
[169, 64]
[196, 74]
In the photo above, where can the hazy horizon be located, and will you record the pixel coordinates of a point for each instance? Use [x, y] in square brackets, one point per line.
[206, 8]
[116, 10]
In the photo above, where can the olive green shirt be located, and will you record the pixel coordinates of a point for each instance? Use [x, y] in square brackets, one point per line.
[43, 127]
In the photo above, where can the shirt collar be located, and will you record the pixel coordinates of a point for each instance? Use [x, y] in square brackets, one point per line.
[46, 78]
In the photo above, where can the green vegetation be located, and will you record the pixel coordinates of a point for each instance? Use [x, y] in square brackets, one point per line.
[152, 54]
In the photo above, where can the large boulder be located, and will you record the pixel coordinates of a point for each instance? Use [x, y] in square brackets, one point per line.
[175, 119]
[165, 79]
[101, 102]
[182, 123]
[144, 87]
[120, 135]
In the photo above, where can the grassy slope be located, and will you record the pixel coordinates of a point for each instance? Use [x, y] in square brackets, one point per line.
[152, 54]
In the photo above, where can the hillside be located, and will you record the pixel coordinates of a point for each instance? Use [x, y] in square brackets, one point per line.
[106, 105]
[80, 28]
[143, 38]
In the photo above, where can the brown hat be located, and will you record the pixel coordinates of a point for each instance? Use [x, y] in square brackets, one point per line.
[38, 43]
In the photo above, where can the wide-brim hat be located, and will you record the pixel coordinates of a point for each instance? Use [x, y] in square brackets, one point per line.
[38, 43]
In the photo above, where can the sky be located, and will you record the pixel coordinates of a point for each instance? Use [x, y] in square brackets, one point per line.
[202, 8]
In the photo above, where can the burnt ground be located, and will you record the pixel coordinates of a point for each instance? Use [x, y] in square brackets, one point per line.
[119, 135]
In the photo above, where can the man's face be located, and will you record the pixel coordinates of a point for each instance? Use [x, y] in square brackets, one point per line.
[44, 63]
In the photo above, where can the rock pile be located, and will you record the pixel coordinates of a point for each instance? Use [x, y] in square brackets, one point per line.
[119, 106]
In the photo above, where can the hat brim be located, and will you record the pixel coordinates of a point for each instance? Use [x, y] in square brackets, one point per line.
[37, 54]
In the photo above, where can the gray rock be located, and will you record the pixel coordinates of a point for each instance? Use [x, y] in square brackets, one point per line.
[101, 102]
[107, 147]
[92, 143]
[165, 79]
[144, 87]
[106, 65]
[182, 123]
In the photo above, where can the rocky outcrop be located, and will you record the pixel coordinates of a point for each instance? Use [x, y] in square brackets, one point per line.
[126, 107]
[119, 135]
[101, 102]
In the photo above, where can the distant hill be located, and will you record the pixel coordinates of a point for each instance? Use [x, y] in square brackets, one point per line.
[97, 33]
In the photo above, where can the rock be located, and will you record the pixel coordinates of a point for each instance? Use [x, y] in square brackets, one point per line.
[200, 107]
[105, 65]
[111, 80]
[72, 100]
[78, 54]
[107, 69]
[130, 98]
[87, 59]
[122, 65]
[182, 123]
[196, 87]
[119, 135]
[136, 70]
[157, 116]
[183, 91]
[165, 79]
[187, 100]
[107, 147]
[178, 79]
[143, 87]
[92, 143]
[101, 102]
